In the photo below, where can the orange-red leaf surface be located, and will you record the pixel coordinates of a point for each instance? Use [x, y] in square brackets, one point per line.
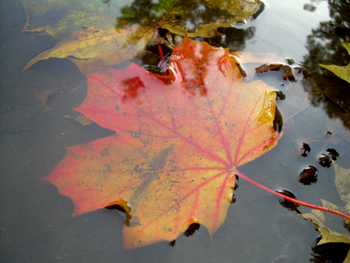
[178, 142]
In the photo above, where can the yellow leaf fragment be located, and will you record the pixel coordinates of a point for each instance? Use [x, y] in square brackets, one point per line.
[332, 237]
[82, 119]
[318, 218]
[341, 72]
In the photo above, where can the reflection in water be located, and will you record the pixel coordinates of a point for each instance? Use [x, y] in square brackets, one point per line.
[212, 21]
[325, 46]
[233, 38]
[189, 16]
[312, 6]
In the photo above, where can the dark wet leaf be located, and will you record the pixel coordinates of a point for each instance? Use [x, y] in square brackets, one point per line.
[280, 95]
[287, 204]
[172, 243]
[306, 149]
[333, 153]
[192, 229]
[308, 175]
[325, 161]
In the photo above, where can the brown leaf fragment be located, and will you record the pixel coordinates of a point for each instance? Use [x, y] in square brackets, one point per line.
[43, 96]
[267, 67]
[288, 74]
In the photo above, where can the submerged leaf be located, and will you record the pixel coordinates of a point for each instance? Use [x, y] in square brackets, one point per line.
[179, 141]
[85, 32]
[329, 235]
[95, 36]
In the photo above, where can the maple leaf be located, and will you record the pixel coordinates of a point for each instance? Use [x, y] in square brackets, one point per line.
[179, 140]
[341, 72]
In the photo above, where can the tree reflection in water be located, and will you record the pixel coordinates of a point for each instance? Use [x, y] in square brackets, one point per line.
[325, 46]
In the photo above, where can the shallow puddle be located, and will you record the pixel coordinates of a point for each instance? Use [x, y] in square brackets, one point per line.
[35, 127]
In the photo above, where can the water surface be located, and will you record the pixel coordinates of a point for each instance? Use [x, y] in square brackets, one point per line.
[36, 223]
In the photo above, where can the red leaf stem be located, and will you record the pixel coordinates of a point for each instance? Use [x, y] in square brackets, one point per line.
[161, 53]
[292, 199]
[163, 61]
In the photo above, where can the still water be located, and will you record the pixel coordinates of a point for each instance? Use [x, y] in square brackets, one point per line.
[36, 223]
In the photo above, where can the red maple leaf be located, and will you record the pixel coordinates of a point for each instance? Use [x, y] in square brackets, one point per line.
[179, 140]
